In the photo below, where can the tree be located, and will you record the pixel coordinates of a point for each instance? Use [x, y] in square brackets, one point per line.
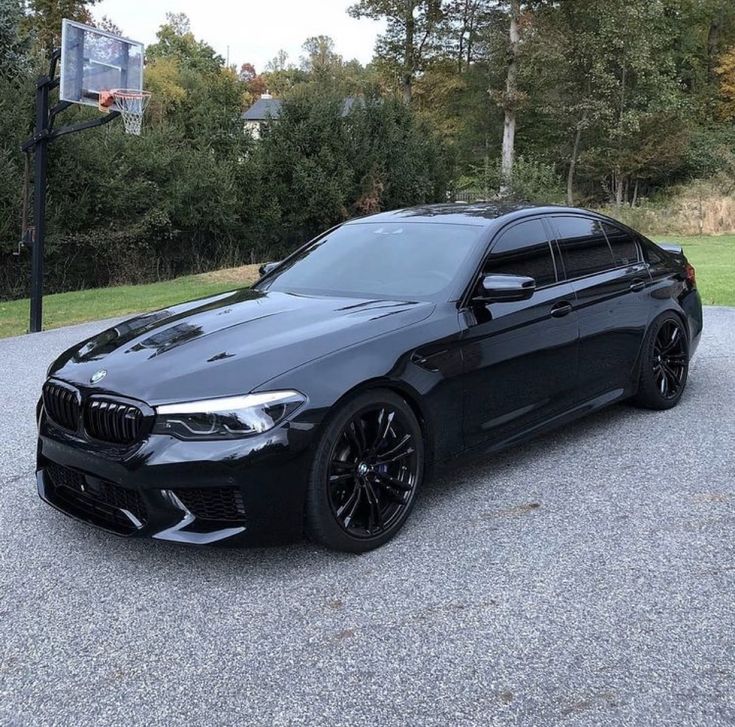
[16, 112]
[462, 19]
[599, 77]
[410, 33]
[247, 73]
[163, 79]
[278, 63]
[255, 84]
[511, 97]
[567, 77]
[175, 40]
[43, 18]
[320, 167]
[320, 57]
[14, 44]
[109, 26]
[725, 71]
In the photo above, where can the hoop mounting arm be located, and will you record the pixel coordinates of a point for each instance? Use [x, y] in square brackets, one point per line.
[50, 134]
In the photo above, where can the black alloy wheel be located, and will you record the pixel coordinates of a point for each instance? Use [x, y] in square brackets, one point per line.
[665, 364]
[368, 467]
[670, 359]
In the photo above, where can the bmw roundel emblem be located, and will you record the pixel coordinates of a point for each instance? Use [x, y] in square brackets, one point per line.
[97, 376]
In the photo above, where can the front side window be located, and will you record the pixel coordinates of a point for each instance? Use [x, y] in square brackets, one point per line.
[397, 260]
[583, 246]
[622, 243]
[523, 250]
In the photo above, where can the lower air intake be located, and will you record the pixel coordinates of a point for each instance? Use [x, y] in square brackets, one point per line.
[213, 503]
[96, 499]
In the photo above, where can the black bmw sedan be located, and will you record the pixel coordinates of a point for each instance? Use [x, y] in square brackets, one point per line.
[318, 400]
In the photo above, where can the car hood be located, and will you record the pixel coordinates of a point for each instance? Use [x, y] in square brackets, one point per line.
[227, 344]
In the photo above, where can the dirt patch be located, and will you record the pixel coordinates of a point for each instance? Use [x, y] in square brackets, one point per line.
[713, 497]
[345, 634]
[243, 275]
[513, 511]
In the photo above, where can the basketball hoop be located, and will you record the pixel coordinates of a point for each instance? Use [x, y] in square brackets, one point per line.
[131, 103]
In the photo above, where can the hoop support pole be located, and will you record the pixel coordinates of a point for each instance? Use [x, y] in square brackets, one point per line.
[39, 200]
[44, 134]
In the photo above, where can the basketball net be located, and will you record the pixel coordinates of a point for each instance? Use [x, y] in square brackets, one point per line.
[131, 104]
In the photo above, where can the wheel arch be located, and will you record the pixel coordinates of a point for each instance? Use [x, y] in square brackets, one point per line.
[666, 311]
[680, 314]
[409, 395]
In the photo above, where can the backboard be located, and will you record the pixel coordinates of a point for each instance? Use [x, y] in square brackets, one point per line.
[93, 60]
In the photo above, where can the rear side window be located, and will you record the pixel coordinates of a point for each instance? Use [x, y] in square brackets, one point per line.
[622, 244]
[651, 252]
[523, 249]
[583, 246]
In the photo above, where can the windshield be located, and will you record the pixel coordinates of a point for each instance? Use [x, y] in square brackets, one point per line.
[416, 261]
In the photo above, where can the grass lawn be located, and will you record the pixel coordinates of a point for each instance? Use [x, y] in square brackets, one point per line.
[63, 309]
[713, 258]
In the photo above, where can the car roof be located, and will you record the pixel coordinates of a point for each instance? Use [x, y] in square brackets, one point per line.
[481, 214]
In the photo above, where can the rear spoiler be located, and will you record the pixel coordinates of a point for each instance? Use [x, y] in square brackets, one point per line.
[671, 247]
[681, 259]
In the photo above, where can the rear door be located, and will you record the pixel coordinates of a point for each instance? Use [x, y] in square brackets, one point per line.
[611, 281]
[519, 358]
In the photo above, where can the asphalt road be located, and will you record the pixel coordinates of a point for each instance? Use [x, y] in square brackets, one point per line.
[586, 578]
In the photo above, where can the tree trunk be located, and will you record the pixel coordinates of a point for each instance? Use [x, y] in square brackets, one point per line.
[464, 51]
[573, 162]
[511, 98]
[474, 9]
[619, 183]
[635, 194]
[713, 41]
[407, 89]
[408, 54]
[462, 31]
[460, 51]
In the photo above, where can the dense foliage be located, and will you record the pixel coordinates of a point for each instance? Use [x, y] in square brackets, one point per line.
[194, 191]
[615, 103]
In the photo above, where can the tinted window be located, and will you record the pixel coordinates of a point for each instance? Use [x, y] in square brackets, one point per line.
[583, 246]
[417, 261]
[650, 252]
[523, 250]
[622, 243]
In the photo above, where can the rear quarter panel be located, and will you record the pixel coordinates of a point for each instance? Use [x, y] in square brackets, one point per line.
[672, 291]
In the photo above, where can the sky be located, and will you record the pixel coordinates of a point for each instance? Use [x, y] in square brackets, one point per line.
[254, 30]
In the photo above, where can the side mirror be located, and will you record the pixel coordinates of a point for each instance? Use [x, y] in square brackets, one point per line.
[265, 268]
[504, 288]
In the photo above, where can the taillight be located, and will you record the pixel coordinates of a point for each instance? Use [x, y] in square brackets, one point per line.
[691, 275]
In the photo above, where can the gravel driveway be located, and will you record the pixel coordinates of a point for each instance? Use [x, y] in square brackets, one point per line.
[585, 578]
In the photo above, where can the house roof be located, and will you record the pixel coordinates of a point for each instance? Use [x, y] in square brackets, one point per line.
[270, 108]
[263, 109]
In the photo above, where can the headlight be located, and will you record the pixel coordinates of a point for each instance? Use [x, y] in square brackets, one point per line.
[229, 418]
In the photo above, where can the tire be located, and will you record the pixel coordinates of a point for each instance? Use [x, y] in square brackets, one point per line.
[367, 469]
[664, 364]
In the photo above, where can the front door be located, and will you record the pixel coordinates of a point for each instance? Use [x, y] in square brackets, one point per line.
[519, 358]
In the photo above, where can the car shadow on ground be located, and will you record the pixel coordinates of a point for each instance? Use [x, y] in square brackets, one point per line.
[493, 471]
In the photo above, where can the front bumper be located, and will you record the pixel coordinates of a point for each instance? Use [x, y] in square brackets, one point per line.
[250, 491]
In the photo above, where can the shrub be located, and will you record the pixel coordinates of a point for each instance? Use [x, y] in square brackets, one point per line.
[532, 181]
[700, 207]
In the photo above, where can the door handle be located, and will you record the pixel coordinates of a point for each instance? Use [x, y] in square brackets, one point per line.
[637, 285]
[561, 309]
